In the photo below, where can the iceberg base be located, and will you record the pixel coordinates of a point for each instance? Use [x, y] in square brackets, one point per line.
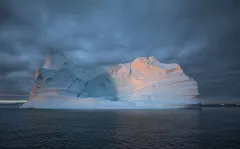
[65, 102]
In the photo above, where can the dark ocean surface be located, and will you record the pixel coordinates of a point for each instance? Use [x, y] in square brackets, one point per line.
[182, 128]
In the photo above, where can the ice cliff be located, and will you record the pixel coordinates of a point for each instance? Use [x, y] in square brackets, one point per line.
[143, 83]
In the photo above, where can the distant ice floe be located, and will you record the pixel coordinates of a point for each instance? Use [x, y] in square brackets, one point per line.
[12, 101]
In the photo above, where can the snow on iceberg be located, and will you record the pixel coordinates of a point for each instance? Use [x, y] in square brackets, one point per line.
[144, 83]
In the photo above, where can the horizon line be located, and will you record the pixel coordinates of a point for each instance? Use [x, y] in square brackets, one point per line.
[3, 94]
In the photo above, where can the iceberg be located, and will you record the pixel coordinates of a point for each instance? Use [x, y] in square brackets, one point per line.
[144, 83]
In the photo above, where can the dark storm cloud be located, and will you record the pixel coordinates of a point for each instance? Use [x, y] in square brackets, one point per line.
[202, 36]
[9, 67]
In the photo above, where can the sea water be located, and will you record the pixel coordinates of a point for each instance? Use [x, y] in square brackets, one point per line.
[174, 128]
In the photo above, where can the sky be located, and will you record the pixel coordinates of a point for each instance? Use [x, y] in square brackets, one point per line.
[203, 36]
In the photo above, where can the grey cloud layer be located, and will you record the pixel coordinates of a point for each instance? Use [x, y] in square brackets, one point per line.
[202, 36]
